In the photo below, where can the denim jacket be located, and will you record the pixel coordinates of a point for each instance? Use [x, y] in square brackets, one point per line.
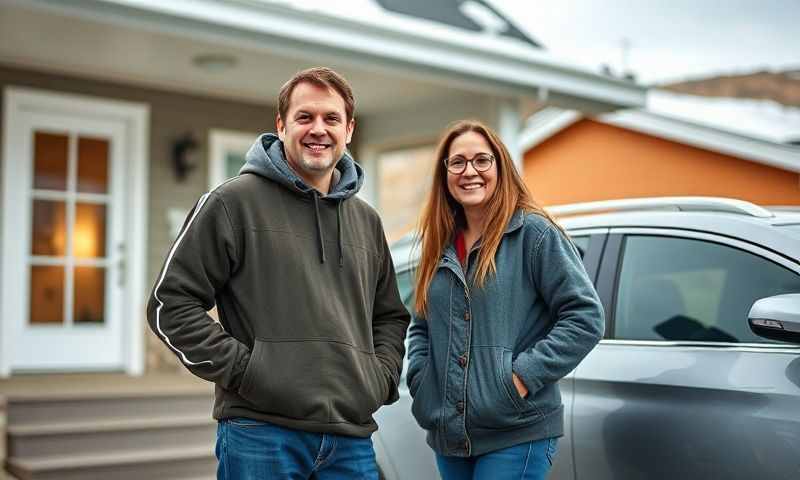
[537, 317]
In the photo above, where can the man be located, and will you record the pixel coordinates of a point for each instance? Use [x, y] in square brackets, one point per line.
[310, 339]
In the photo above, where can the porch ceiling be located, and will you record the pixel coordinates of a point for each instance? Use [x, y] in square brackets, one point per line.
[61, 41]
[388, 62]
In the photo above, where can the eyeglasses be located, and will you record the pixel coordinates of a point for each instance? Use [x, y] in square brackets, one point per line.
[457, 164]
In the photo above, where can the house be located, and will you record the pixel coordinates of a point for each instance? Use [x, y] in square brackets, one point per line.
[782, 86]
[119, 114]
[678, 145]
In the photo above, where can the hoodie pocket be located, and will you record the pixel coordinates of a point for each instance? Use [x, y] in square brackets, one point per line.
[526, 406]
[314, 380]
[489, 400]
[507, 374]
[426, 405]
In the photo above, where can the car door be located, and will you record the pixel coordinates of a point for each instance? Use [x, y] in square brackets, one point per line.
[400, 447]
[682, 388]
[590, 244]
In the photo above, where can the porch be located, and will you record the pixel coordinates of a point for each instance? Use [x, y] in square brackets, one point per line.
[86, 426]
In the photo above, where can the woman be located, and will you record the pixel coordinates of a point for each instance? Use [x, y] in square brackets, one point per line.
[504, 309]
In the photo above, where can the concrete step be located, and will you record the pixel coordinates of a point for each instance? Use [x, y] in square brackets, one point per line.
[72, 408]
[108, 427]
[97, 436]
[163, 463]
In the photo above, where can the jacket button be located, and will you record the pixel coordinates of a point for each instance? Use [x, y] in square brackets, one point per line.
[462, 360]
[460, 407]
[466, 316]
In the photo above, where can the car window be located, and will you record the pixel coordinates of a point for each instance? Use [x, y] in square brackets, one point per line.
[582, 242]
[693, 290]
[405, 284]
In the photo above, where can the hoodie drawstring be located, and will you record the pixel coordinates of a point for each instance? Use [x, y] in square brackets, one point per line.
[319, 228]
[320, 238]
[339, 232]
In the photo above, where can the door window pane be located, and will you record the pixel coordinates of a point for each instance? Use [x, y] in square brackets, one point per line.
[50, 161]
[92, 165]
[49, 228]
[89, 305]
[90, 230]
[693, 290]
[47, 295]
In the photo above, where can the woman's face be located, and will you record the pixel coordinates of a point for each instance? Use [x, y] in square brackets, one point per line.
[472, 189]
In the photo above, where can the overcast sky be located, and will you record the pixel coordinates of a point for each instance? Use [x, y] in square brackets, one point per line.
[669, 39]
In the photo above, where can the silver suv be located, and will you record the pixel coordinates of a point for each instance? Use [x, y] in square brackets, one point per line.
[694, 378]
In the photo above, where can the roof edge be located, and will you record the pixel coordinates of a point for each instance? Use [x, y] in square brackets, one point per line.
[549, 122]
[283, 30]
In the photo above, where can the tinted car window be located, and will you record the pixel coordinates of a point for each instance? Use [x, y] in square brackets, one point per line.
[582, 243]
[405, 284]
[692, 290]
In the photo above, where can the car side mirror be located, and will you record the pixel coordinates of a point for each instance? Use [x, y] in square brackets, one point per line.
[777, 318]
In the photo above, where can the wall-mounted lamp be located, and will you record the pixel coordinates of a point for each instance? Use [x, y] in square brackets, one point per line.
[184, 156]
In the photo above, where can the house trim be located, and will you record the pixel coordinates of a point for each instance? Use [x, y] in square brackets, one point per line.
[551, 121]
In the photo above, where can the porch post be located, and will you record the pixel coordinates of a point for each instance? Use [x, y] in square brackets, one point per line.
[509, 127]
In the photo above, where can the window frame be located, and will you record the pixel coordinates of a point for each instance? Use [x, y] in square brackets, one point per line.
[594, 253]
[611, 268]
[220, 143]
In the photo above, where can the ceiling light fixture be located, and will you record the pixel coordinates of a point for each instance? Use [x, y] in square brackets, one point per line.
[214, 62]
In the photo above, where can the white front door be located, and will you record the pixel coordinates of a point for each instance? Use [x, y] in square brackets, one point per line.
[65, 239]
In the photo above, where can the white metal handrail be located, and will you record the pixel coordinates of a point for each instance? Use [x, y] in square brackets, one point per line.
[693, 204]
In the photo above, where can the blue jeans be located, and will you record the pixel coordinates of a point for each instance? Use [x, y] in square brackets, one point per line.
[249, 449]
[526, 461]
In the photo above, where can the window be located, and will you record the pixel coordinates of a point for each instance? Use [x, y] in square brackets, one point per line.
[403, 182]
[582, 243]
[693, 290]
[405, 284]
[227, 150]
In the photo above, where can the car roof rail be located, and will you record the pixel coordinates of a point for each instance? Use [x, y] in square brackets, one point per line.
[785, 208]
[689, 204]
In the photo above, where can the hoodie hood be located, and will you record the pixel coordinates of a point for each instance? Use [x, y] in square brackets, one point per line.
[266, 158]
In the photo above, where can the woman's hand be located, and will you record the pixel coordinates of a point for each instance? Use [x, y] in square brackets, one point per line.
[521, 388]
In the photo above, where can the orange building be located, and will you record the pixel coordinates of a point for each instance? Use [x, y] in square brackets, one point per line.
[569, 158]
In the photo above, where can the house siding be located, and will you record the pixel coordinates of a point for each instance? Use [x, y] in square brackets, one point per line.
[590, 161]
[171, 116]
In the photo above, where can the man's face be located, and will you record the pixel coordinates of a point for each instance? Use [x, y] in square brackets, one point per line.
[315, 131]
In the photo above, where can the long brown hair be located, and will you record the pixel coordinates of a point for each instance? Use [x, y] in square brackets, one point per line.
[437, 223]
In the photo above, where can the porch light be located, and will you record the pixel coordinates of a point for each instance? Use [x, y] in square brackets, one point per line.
[184, 156]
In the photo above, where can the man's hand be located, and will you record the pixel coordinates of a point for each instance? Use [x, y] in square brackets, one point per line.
[521, 388]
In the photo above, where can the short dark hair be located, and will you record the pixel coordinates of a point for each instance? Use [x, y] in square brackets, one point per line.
[321, 77]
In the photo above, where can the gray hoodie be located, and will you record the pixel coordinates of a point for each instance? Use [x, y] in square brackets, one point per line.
[266, 158]
[301, 342]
